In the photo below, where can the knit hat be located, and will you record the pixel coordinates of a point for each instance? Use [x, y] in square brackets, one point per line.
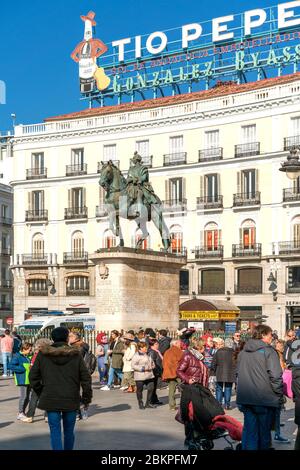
[102, 338]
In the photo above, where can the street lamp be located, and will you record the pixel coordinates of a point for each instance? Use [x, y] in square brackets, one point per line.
[292, 165]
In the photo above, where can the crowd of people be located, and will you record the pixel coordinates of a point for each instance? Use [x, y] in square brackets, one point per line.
[55, 375]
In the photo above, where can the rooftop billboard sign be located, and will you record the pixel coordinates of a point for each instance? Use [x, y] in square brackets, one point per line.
[256, 44]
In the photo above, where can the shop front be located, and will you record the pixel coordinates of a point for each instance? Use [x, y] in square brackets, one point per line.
[204, 315]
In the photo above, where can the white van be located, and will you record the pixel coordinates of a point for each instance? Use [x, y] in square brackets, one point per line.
[37, 324]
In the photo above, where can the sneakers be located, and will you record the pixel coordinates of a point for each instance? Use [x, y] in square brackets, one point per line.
[116, 386]
[105, 388]
[281, 440]
[173, 408]
[4, 376]
[21, 416]
[123, 388]
[27, 420]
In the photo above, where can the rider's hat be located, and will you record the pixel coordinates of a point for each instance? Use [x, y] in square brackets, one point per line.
[136, 157]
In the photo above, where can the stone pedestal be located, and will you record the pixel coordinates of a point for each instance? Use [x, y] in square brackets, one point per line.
[136, 288]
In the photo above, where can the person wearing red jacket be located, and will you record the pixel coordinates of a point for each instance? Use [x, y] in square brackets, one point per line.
[191, 369]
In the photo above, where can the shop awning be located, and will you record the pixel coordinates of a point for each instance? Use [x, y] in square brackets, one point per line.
[200, 309]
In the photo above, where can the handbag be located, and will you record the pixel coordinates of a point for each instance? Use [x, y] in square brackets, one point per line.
[287, 383]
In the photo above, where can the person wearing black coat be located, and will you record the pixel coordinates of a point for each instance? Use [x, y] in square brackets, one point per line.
[164, 341]
[223, 367]
[57, 375]
[156, 356]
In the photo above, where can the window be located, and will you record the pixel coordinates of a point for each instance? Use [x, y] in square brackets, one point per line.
[249, 183]
[77, 158]
[109, 152]
[249, 281]
[212, 237]
[296, 231]
[77, 243]
[142, 147]
[37, 287]
[4, 211]
[109, 239]
[78, 284]
[77, 198]
[4, 273]
[175, 189]
[248, 134]
[248, 234]
[36, 201]
[4, 241]
[176, 144]
[212, 139]
[184, 282]
[295, 126]
[38, 245]
[176, 237]
[37, 161]
[294, 279]
[212, 281]
[3, 300]
[212, 187]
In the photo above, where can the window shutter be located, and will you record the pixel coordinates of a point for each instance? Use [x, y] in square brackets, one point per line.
[219, 184]
[167, 190]
[70, 198]
[239, 185]
[256, 180]
[83, 202]
[202, 242]
[42, 200]
[241, 236]
[30, 201]
[202, 186]
[183, 188]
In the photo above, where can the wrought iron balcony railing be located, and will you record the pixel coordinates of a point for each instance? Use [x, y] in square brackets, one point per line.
[76, 213]
[6, 284]
[202, 252]
[247, 150]
[211, 290]
[35, 259]
[5, 220]
[6, 252]
[78, 292]
[178, 158]
[290, 142]
[76, 257]
[247, 289]
[289, 248]
[37, 293]
[214, 153]
[101, 211]
[174, 205]
[177, 251]
[246, 199]
[242, 250]
[209, 202]
[76, 170]
[36, 173]
[36, 215]
[99, 165]
[5, 307]
[147, 161]
[291, 194]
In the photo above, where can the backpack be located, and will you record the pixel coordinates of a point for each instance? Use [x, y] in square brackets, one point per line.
[90, 361]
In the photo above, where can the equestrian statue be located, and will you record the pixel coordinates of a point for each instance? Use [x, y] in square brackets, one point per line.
[132, 199]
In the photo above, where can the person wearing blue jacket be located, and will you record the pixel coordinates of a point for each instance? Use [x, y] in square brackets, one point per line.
[20, 365]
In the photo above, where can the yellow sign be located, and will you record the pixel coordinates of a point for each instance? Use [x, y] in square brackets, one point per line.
[228, 316]
[209, 315]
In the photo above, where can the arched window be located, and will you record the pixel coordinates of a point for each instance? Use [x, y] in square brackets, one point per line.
[212, 236]
[38, 245]
[176, 238]
[248, 234]
[77, 243]
[296, 231]
[109, 240]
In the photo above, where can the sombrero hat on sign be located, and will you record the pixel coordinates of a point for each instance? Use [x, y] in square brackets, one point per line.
[90, 16]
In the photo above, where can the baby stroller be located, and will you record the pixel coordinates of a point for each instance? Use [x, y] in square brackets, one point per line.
[205, 420]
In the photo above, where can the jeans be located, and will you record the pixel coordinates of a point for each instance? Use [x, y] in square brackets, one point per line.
[112, 373]
[32, 404]
[101, 368]
[6, 358]
[54, 421]
[277, 421]
[24, 397]
[258, 422]
[227, 392]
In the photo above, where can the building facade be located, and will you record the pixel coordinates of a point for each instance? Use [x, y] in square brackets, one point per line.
[6, 240]
[213, 159]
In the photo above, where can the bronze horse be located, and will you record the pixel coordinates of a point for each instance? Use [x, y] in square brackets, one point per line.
[118, 205]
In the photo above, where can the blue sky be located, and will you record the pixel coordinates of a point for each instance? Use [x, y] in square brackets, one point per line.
[38, 36]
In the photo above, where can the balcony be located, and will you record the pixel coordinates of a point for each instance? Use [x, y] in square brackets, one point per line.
[77, 292]
[101, 211]
[6, 284]
[290, 142]
[174, 205]
[72, 213]
[147, 161]
[36, 173]
[206, 252]
[178, 158]
[177, 251]
[246, 199]
[5, 221]
[247, 150]
[76, 170]
[289, 248]
[244, 251]
[247, 289]
[291, 195]
[38, 293]
[211, 154]
[100, 164]
[211, 290]
[209, 202]
[76, 257]
[36, 259]
[5, 307]
[36, 216]
[6, 252]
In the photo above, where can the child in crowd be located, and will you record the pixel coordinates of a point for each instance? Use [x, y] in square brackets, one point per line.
[20, 365]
